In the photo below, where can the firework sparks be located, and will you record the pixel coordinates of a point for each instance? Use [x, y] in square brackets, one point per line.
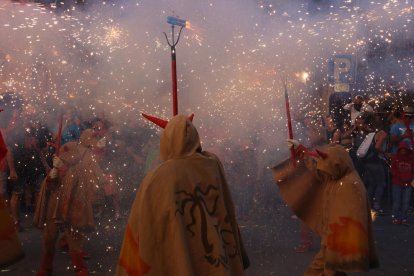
[114, 37]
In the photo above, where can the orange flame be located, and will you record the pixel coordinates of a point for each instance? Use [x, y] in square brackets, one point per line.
[188, 25]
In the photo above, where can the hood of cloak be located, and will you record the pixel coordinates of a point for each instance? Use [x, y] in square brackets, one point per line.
[180, 139]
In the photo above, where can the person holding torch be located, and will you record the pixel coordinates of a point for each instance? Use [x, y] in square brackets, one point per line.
[324, 190]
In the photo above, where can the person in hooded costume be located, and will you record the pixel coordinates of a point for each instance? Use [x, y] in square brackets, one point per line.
[182, 221]
[65, 203]
[324, 190]
[10, 247]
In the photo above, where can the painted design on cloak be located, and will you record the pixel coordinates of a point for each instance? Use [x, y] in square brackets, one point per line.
[130, 259]
[197, 202]
[348, 237]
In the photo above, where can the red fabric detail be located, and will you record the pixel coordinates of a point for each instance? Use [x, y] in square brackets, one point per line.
[79, 264]
[6, 228]
[301, 151]
[402, 169]
[3, 161]
[408, 131]
[63, 170]
[322, 154]
[54, 145]
[348, 237]
[3, 147]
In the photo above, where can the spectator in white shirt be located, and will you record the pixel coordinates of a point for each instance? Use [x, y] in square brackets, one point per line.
[356, 107]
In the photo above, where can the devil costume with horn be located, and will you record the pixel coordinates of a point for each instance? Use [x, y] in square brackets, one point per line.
[11, 248]
[324, 190]
[182, 221]
[65, 201]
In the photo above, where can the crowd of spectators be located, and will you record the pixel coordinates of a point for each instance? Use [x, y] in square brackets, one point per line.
[32, 139]
[379, 138]
[132, 150]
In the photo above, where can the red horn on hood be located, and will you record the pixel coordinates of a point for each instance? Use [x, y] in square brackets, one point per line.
[322, 154]
[159, 122]
[191, 117]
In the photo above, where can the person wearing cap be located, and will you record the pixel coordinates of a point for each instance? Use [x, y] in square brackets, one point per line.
[404, 129]
[182, 221]
[65, 200]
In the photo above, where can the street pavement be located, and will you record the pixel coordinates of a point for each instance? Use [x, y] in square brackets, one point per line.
[269, 234]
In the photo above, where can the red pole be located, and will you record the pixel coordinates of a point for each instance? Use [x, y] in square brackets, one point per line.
[174, 81]
[289, 122]
[59, 135]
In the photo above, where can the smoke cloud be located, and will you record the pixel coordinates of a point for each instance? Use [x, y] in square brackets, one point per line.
[111, 59]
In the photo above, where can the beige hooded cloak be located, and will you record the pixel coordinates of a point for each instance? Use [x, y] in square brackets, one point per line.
[10, 247]
[330, 197]
[68, 199]
[182, 221]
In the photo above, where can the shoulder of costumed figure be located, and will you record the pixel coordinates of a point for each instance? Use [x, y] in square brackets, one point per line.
[68, 152]
[88, 138]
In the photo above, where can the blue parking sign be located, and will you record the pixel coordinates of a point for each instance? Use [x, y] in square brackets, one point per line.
[342, 69]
